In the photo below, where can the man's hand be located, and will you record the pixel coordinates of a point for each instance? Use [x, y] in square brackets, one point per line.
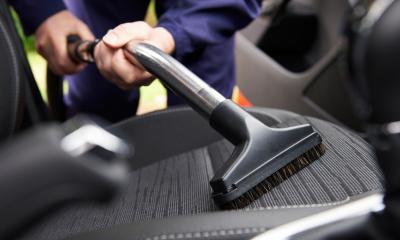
[51, 41]
[111, 59]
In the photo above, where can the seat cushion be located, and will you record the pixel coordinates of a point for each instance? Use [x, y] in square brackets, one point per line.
[170, 198]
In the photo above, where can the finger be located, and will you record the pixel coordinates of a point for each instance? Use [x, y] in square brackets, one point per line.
[103, 58]
[126, 32]
[57, 58]
[130, 49]
[103, 63]
[103, 55]
[120, 83]
[62, 58]
[129, 73]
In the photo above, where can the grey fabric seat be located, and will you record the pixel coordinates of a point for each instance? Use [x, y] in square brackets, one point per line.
[168, 195]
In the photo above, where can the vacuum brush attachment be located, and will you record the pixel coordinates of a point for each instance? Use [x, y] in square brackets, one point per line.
[263, 157]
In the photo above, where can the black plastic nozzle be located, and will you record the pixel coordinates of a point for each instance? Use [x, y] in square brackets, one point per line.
[260, 150]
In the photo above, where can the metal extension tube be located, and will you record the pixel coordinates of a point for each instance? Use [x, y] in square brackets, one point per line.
[176, 77]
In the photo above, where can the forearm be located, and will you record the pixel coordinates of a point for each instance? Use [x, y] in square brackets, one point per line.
[33, 13]
[195, 24]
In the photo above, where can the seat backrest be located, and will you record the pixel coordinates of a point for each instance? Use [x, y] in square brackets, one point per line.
[10, 82]
[20, 102]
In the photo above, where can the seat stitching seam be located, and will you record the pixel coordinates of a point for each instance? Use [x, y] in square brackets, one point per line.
[297, 206]
[208, 233]
[233, 231]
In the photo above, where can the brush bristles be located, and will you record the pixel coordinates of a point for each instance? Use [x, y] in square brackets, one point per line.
[277, 178]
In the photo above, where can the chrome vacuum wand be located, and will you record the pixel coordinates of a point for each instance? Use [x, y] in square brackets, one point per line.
[178, 78]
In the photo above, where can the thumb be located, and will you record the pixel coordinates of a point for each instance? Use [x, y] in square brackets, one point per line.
[126, 32]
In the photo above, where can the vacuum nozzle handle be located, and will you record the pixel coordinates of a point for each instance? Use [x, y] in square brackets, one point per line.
[80, 51]
[176, 77]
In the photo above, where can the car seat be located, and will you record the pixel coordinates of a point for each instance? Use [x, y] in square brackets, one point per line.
[20, 102]
[176, 154]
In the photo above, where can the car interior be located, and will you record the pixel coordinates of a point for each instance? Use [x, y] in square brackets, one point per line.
[300, 52]
[148, 176]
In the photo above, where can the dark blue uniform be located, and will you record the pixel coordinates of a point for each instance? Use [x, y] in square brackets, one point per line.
[203, 31]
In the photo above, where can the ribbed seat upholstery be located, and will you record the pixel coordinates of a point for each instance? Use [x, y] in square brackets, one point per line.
[175, 188]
